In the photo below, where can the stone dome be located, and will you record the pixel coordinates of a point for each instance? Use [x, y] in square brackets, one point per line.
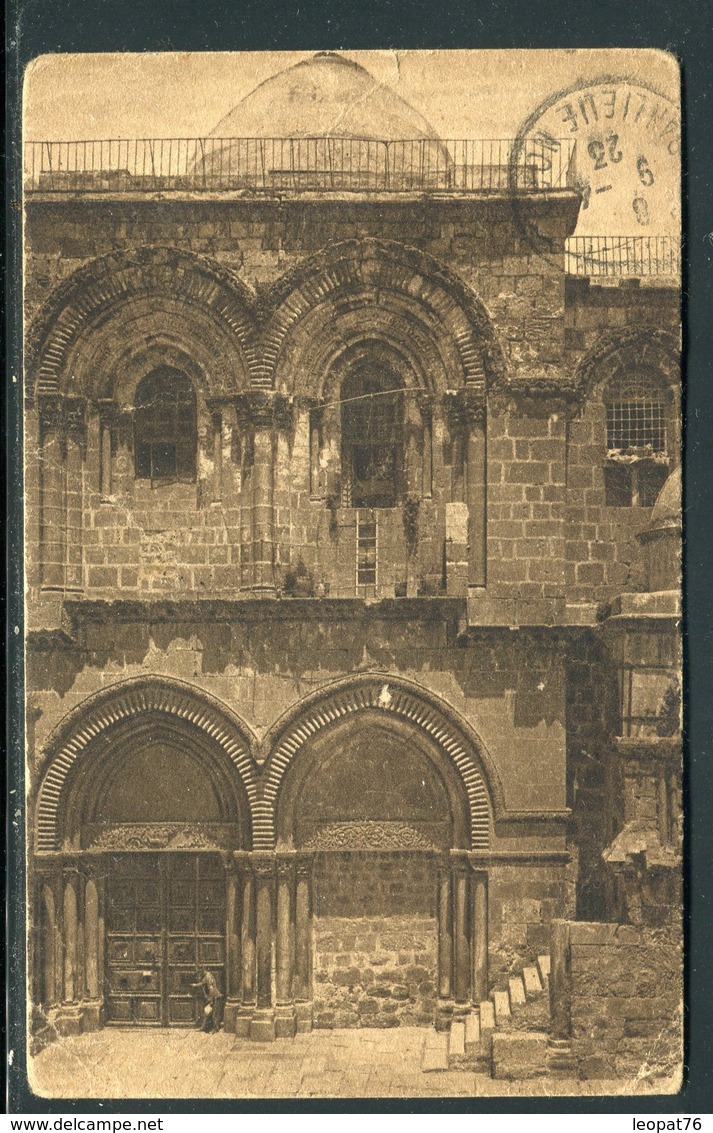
[660, 540]
[668, 511]
[324, 96]
[324, 124]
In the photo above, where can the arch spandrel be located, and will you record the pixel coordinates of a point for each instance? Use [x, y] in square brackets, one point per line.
[420, 292]
[391, 697]
[97, 304]
[171, 703]
[619, 353]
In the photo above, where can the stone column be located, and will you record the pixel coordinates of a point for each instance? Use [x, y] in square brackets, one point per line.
[264, 411]
[53, 520]
[444, 1010]
[107, 411]
[75, 443]
[559, 1046]
[232, 947]
[302, 983]
[461, 941]
[49, 959]
[69, 1018]
[262, 1025]
[285, 1018]
[217, 429]
[479, 935]
[476, 485]
[93, 949]
[247, 945]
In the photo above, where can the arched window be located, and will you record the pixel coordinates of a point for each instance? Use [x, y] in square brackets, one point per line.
[372, 437]
[165, 430]
[637, 442]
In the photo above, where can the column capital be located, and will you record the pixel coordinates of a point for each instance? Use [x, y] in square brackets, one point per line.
[303, 864]
[285, 864]
[263, 863]
[465, 407]
[265, 409]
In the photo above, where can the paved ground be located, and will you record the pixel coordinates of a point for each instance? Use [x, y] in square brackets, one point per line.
[188, 1064]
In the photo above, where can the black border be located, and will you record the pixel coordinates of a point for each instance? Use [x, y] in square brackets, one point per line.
[682, 27]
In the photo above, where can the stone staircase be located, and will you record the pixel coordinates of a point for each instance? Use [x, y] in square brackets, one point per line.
[506, 1036]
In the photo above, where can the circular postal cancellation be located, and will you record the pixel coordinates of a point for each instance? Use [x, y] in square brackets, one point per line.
[615, 141]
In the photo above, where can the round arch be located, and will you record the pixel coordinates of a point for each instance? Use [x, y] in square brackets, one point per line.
[172, 706]
[148, 291]
[407, 290]
[398, 699]
[621, 353]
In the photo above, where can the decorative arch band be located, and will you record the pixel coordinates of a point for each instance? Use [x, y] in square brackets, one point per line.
[391, 698]
[174, 701]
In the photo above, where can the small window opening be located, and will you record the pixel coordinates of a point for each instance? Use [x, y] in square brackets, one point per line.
[372, 438]
[637, 464]
[165, 427]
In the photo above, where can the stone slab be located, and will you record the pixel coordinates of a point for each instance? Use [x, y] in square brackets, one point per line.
[487, 1016]
[435, 1052]
[456, 1040]
[519, 1055]
[501, 1003]
[517, 991]
[532, 981]
[543, 966]
[472, 1031]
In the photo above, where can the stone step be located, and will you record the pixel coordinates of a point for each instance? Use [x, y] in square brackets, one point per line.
[456, 1040]
[501, 1003]
[532, 981]
[543, 965]
[519, 1055]
[435, 1052]
[487, 1016]
[472, 1033]
[517, 991]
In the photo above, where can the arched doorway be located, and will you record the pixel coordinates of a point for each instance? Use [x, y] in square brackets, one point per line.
[139, 813]
[386, 804]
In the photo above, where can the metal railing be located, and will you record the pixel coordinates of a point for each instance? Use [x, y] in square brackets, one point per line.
[622, 255]
[269, 165]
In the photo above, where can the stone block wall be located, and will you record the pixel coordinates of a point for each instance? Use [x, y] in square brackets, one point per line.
[523, 898]
[526, 496]
[374, 940]
[626, 989]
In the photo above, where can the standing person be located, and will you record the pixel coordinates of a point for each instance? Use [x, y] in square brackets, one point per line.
[209, 1020]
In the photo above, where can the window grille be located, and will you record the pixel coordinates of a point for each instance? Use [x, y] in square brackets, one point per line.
[372, 437]
[366, 549]
[165, 429]
[636, 421]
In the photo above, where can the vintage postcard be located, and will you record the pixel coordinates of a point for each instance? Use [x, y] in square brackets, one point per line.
[353, 531]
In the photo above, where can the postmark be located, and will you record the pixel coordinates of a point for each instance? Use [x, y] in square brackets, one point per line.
[617, 142]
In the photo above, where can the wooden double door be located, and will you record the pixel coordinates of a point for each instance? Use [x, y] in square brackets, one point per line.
[165, 922]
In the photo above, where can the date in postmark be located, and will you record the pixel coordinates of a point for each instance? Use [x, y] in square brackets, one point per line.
[617, 142]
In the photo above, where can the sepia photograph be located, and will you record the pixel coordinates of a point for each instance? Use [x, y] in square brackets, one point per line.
[352, 480]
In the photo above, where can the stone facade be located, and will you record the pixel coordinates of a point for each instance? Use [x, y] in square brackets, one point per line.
[390, 727]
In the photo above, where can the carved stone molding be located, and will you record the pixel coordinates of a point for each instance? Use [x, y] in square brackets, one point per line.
[390, 697]
[132, 700]
[163, 836]
[371, 835]
[464, 409]
[265, 409]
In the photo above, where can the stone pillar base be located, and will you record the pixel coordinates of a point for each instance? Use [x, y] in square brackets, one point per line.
[303, 1018]
[69, 1019]
[262, 1026]
[230, 1014]
[460, 1010]
[243, 1018]
[444, 1014]
[561, 1063]
[91, 1014]
[285, 1022]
